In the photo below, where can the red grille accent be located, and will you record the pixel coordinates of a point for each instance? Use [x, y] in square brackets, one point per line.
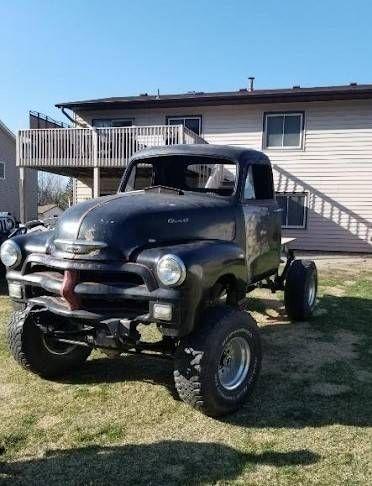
[70, 279]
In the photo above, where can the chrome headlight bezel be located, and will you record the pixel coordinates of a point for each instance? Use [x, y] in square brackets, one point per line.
[179, 270]
[10, 254]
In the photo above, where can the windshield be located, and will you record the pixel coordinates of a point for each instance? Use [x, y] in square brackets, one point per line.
[198, 174]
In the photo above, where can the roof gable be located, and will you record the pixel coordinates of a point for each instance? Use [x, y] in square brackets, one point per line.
[6, 130]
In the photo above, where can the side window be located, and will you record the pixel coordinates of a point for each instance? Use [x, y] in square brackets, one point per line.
[2, 170]
[259, 182]
[249, 192]
[140, 177]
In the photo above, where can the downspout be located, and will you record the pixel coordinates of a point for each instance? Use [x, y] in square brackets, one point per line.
[74, 121]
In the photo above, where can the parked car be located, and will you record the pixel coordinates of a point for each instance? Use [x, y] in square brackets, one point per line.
[7, 225]
[190, 232]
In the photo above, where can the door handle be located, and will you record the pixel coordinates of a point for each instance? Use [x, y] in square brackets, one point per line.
[279, 210]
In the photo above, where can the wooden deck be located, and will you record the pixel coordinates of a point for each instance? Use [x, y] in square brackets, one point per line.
[58, 149]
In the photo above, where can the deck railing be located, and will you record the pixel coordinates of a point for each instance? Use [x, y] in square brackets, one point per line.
[94, 147]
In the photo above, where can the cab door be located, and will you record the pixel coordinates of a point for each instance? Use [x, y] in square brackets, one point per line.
[262, 220]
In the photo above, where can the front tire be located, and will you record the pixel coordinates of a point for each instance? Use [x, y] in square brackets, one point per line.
[42, 355]
[217, 366]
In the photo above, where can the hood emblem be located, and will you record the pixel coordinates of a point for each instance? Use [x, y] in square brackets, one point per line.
[79, 247]
[178, 221]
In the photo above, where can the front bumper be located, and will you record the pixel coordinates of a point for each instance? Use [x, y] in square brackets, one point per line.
[103, 291]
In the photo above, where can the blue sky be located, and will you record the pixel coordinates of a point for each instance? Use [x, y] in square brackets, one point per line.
[55, 51]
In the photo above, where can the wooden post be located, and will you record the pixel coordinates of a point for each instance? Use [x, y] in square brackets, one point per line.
[96, 169]
[181, 134]
[22, 195]
[96, 182]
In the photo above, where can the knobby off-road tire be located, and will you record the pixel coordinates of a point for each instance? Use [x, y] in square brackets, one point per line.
[300, 289]
[201, 361]
[30, 348]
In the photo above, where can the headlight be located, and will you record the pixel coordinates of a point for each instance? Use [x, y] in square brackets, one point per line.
[10, 253]
[171, 270]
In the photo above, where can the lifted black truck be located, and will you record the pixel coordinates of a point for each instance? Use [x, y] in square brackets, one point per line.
[190, 232]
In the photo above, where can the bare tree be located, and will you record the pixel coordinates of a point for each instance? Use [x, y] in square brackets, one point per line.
[53, 189]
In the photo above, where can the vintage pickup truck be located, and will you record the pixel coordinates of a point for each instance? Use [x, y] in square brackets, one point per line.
[191, 230]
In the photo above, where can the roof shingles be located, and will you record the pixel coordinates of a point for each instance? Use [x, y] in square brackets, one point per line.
[321, 93]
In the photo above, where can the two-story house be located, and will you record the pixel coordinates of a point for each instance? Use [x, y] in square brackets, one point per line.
[319, 141]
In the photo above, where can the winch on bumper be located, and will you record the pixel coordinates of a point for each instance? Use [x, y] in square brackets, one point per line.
[100, 293]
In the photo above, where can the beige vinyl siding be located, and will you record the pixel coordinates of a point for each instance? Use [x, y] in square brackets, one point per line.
[334, 167]
[9, 187]
[84, 188]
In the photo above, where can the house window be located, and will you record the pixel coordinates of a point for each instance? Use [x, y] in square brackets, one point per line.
[112, 123]
[293, 206]
[283, 130]
[193, 123]
[2, 170]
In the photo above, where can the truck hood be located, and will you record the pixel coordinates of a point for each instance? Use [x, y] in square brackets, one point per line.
[112, 227]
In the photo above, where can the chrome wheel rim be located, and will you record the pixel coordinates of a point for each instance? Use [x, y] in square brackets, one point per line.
[234, 363]
[55, 347]
[311, 294]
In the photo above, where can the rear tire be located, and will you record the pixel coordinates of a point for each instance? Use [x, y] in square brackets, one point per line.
[217, 366]
[35, 352]
[300, 289]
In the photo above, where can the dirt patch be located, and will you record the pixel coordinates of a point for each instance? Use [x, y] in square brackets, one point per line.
[329, 389]
[7, 390]
[336, 291]
[47, 422]
[303, 348]
[345, 264]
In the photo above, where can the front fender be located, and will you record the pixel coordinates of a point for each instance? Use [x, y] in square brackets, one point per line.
[33, 242]
[206, 262]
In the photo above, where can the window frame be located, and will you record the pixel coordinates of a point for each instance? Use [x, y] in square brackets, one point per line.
[131, 120]
[184, 117]
[305, 211]
[2, 164]
[268, 114]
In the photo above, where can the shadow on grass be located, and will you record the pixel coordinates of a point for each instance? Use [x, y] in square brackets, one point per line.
[153, 371]
[317, 373]
[297, 357]
[168, 462]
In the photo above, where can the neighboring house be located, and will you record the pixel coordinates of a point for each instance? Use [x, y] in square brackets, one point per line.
[9, 180]
[49, 211]
[318, 139]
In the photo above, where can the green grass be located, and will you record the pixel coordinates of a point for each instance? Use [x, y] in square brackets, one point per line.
[118, 421]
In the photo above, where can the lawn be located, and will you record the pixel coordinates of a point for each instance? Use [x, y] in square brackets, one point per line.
[118, 421]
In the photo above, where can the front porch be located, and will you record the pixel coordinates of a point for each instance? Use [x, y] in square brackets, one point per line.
[93, 156]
